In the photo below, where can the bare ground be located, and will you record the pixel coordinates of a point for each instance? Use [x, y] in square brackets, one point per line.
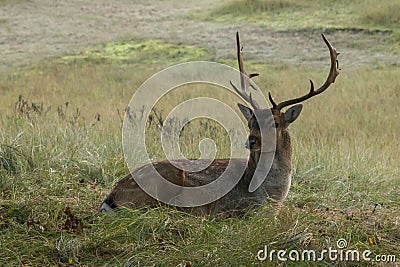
[32, 30]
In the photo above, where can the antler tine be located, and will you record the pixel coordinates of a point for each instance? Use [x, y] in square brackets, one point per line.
[271, 100]
[333, 73]
[244, 77]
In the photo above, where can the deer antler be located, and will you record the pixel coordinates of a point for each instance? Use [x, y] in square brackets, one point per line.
[333, 73]
[244, 78]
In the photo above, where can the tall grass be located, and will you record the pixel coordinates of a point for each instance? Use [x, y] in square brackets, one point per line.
[59, 161]
[381, 12]
[249, 7]
[310, 15]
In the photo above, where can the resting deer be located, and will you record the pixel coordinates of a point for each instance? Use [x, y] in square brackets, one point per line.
[277, 181]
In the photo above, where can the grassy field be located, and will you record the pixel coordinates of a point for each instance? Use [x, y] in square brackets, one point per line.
[61, 152]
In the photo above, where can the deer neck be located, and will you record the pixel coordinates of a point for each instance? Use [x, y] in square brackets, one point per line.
[283, 152]
[277, 181]
[251, 165]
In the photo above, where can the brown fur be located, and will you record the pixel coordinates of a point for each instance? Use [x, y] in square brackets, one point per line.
[277, 181]
[276, 185]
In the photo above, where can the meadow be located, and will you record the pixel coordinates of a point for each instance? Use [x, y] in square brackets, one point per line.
[61, 148]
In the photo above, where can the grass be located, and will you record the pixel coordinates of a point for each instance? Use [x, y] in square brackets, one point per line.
[248, 7]
[309, 15]
[376, 12]
[61, 154]
[7, 2]
[381, 13]
[146, 52]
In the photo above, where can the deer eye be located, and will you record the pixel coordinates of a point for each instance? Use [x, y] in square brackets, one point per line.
[276, 124]
[252, 140]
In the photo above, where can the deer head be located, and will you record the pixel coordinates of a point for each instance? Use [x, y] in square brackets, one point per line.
[281, 119]
[278, 179]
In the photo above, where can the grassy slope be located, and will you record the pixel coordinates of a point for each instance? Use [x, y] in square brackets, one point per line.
[346, 178]
[290, 14]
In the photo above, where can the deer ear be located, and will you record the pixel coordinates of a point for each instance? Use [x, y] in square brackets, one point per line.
[247, 112]
[293, 113]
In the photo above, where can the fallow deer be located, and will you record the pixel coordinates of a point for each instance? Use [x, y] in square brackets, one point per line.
[276, 182]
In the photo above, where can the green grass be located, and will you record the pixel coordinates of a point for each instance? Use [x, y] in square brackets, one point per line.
[309, 15]
[381, 13]
[251, 7]
[61, 154]
[373, 24]
[145, 52]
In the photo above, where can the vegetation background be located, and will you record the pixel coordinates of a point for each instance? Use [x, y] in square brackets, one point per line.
[68, 70]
